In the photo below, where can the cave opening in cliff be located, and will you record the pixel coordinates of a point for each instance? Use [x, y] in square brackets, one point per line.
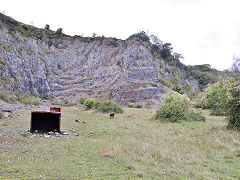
[45, 121]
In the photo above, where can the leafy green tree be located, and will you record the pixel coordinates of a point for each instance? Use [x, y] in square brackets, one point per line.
[215, 97]
[233, 104]
[166, 51]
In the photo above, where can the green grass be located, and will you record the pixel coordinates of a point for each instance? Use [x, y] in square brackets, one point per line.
[213, 119]
[121, 148]
[26, 99]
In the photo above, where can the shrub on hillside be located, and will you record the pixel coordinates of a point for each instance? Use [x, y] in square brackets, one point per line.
[223, 98]
[89, 103]
[102, 106]
[174, 107]
[233, 104]
[7, 96]
[26, 99]
[130, 105]
[109, 106]
[197, 103]
[165, 82]
[176, 85]
[214, 98]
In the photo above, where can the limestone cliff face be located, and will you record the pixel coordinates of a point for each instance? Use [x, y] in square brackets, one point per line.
[72, 67]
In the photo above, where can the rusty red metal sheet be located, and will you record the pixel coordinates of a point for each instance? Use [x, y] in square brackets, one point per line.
[55, 109]
[45, 121]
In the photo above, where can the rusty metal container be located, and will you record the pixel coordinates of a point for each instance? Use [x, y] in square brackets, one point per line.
[55, 109]
[45, 121]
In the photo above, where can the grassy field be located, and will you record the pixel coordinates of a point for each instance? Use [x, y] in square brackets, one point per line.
[122, 148]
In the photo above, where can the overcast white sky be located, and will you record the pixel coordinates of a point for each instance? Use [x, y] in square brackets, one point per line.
[203, 31]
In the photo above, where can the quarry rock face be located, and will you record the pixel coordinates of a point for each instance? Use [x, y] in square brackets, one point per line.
[76, 67]
[4, 106]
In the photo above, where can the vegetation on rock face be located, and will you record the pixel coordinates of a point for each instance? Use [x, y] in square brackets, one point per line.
[26, 99]
[202, 73]
[7, 96]
[176, 85]
[51, 37]
[159, 48]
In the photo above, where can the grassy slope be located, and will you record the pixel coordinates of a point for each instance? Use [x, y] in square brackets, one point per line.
[124, 147]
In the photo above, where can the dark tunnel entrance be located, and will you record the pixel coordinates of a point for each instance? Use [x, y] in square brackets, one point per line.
[45, 121]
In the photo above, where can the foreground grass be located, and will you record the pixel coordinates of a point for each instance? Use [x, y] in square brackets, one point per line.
[124, 147]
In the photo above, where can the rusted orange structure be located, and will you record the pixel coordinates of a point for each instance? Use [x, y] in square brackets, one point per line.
[55, 109]
[45, 121]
